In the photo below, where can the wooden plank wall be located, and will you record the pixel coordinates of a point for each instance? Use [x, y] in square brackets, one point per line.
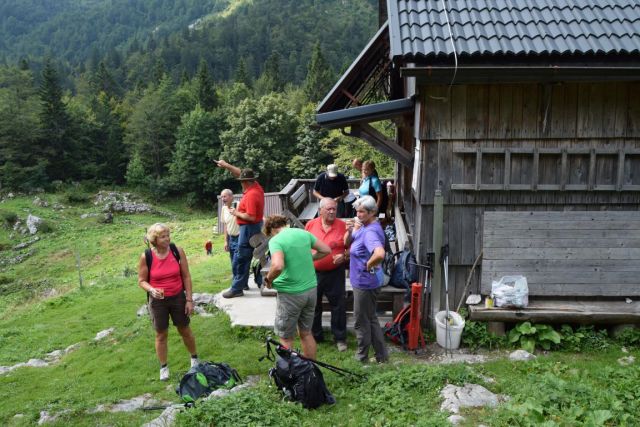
[577, 253]
[534, 137]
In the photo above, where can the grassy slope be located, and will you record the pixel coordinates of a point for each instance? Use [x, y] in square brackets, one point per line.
[124, 365]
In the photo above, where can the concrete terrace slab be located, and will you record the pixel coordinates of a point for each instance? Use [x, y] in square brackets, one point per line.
[253, 309]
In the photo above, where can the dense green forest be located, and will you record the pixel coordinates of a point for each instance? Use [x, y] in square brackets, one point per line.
[148, 93]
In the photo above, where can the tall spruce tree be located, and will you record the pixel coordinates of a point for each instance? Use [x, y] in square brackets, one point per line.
[205, 89]
[56, 140]
[270, 80]
[320, 77]
[21, 160]
[242, 74]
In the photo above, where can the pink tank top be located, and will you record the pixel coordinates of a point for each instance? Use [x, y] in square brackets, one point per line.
[165, 274]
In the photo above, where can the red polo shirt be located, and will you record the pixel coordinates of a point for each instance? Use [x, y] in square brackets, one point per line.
[252, 203]
[334, 238]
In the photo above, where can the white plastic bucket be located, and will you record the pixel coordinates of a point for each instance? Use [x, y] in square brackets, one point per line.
[448, 336]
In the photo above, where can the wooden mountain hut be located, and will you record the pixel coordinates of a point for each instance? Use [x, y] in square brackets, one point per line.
[517, 145]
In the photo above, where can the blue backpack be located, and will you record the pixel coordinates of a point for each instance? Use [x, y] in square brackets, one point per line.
[404, 271]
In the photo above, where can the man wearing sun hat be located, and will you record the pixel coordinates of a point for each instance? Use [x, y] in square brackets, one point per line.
[248, 215]
[334, 185]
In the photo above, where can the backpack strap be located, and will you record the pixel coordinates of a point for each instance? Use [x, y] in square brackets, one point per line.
[175, 252]
[149, 258]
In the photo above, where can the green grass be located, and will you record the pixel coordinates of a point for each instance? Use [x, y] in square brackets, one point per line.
[562, 388]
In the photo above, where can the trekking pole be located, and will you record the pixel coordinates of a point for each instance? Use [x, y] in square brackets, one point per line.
[447, 330]
[291, 352]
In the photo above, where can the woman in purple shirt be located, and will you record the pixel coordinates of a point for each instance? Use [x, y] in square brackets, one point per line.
[366, 238]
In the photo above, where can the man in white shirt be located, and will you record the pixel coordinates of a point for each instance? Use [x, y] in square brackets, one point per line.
[230, 226]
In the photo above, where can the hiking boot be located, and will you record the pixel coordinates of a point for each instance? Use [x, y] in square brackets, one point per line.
[195, 361]
[164, 374]
[342, 346]
[232, 294]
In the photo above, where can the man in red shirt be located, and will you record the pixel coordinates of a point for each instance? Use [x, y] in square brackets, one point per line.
[330, 271]
[248, 215]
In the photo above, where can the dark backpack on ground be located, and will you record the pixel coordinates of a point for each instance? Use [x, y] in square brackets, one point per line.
[398, 330]
[301, 381]
[404, 271]
[204, 378]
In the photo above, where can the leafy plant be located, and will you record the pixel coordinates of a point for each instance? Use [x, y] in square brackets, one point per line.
[629, 337]
[571, 340]
[476, 335]
[592, 339]
[529, 336]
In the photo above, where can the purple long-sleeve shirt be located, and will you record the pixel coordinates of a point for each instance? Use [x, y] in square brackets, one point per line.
[365, 240]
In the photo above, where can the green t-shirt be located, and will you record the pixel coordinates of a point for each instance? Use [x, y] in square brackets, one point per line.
[298, 275]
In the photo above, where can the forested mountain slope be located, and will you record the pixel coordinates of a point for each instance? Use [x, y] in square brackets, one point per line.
[133, 37]
[73, 30]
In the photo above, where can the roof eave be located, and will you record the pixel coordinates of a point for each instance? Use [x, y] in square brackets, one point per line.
[365, 113]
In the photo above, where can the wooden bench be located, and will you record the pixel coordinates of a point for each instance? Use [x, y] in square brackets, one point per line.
[390, 299]
[581, 266]
[309, 212]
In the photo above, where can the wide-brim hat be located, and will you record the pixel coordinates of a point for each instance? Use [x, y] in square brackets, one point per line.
[247, 175]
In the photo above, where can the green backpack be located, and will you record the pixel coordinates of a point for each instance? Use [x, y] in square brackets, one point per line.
[204, 378]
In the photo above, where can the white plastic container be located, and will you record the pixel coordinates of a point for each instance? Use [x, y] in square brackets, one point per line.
[448, 335]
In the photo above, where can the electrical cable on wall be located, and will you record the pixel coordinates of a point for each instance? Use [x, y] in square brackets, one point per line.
[455, 55]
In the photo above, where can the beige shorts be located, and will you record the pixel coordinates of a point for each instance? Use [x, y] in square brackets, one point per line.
[295, 311]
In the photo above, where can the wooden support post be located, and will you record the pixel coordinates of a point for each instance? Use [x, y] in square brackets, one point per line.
[437, 284]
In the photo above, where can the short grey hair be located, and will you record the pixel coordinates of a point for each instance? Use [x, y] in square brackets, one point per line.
[367, 202]
[324, 201]
[226, 191]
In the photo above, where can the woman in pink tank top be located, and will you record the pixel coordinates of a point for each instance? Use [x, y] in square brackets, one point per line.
[168, 284]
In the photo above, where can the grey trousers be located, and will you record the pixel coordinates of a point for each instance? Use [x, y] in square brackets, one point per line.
[368, 331]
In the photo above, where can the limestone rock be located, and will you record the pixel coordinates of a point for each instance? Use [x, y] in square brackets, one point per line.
[626, 361]
[166, 418]
[455, 419]
[203, 299]
[25, 244]
[33, 222]
[120, 202]
[143, 311]
[470, 395]
[37, 201]
[103, 334]
[520, 355]
[130, 405]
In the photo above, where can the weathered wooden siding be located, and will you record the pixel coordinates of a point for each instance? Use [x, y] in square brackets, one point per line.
[533, 147]
[573, 253]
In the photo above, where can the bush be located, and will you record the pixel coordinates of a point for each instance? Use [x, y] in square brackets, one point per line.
[77, 197]
[45, 227]
[584, 338]
[9, 218]
[476, 335]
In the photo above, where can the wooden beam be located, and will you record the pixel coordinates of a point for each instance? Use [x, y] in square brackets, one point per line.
[380, 142]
